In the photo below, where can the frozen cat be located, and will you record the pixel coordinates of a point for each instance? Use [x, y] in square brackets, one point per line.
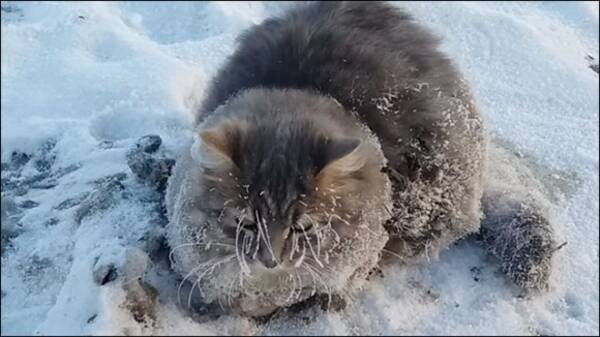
[334, 136]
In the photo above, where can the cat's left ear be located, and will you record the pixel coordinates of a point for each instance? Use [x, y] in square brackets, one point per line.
[343, 155]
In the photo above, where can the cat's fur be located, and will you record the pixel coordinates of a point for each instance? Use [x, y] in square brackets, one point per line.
[284, 138]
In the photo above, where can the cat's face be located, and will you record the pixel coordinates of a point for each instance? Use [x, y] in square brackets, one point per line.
[283, 191]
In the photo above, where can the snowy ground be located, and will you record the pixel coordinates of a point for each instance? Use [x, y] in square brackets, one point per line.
[86, 80]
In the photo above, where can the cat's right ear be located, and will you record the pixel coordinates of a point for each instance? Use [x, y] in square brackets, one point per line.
[215, 148]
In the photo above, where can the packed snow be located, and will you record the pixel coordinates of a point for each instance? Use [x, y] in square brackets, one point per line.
[83, 82]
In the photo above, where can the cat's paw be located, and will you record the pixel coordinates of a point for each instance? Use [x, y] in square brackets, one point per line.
[327, 302]
[522, 238]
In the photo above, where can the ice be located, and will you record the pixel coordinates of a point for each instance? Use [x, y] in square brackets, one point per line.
[83, 82]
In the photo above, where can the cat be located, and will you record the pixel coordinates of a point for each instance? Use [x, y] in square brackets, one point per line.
[334, 138]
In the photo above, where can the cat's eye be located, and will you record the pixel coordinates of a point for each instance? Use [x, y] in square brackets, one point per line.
[246, 227]
[298, 228]
[245, 223]
[250, 227]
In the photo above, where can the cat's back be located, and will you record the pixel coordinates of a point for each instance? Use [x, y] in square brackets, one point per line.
[348, 50]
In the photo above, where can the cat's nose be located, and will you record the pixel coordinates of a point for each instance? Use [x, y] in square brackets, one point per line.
[271, 250]
[269, 263]
[266, 258]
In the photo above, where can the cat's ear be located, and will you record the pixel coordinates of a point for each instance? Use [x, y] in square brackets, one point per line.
[215, 140]
[216, 147]
[343, 155]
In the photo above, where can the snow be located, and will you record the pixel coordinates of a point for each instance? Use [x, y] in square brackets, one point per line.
[90, 72]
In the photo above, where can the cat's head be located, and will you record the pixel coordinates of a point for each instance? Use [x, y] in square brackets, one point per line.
[285, 180]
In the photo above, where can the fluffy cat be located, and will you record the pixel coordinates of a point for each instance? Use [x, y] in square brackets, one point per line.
[334, 135]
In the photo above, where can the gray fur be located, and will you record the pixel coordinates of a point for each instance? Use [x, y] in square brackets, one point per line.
[518, 233]
[376, 61]
[335, 71]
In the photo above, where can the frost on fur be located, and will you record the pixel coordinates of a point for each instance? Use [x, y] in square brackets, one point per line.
[521, 237]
